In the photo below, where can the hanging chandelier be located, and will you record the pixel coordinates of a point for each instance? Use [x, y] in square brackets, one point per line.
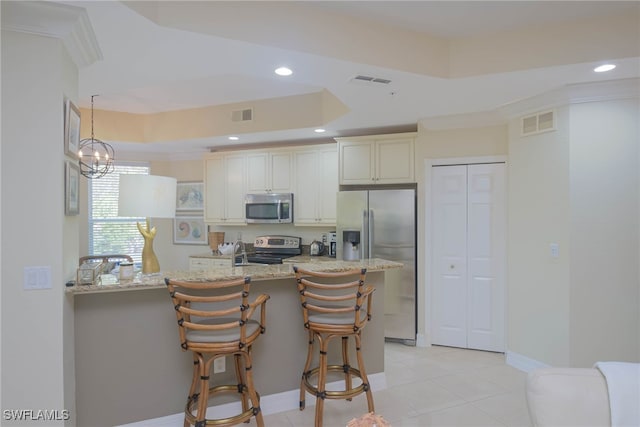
[96, 157]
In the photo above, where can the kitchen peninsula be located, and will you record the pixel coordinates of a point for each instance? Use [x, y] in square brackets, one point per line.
[129, 365]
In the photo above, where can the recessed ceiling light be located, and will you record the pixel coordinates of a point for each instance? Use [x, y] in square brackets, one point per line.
[319, 130]
[233, 138]
[603, 68]
[283, 71]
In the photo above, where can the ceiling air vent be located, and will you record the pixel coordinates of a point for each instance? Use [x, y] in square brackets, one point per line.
[538, 123]
[369, 79]
[242, 115]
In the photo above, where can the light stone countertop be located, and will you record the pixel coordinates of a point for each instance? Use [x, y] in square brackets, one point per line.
[256, 272]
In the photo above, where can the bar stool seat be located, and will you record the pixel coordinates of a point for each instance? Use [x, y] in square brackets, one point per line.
[332, 308]
[215, 320]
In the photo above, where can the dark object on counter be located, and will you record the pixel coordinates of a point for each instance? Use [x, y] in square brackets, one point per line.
[316, 248]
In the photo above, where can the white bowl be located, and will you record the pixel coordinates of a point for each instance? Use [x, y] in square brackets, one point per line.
[226, 248]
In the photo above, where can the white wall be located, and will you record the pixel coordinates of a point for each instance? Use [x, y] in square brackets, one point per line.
[538, 212]
[578, 187]
[36, 73]
[605, 279]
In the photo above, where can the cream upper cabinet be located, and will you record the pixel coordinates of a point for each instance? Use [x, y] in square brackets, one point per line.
[380, 159]
[316, 185]
[225, 187]
[269, 172]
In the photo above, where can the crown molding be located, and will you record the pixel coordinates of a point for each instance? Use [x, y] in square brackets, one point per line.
[574, 94]
[570, 94]
[70, 24]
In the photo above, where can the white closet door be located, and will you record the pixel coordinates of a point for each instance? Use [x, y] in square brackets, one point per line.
[468, 256]
[486, 256]
[449, 305]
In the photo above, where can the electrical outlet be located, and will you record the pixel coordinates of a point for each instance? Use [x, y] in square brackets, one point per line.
[219, 365]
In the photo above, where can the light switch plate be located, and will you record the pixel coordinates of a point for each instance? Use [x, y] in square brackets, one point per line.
[554, 250]
[37, 278]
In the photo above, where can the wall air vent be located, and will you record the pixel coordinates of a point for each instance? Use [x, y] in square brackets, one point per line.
[369, 79]
[242, 115]
[538, 123]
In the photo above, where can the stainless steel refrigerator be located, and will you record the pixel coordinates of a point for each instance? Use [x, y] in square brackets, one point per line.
[381, 223]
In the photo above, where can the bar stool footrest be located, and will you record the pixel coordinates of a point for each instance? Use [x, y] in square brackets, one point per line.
[334, 394]
[192, 403]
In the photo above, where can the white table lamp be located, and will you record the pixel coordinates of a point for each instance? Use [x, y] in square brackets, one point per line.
[148, 196]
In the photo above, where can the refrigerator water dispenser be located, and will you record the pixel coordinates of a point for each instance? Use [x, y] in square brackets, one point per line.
[351, 245]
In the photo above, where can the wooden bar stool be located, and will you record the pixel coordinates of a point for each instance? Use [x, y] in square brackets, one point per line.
[332, 309]
[215, 320]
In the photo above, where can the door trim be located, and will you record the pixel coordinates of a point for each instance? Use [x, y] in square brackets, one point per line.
[428, 235]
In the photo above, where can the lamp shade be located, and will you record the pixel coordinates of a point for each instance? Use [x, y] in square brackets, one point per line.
[149, 196]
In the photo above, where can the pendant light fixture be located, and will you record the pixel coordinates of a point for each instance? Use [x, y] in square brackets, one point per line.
[96, 157]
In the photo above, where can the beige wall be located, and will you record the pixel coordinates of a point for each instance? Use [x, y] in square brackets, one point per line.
[176, 257]
[577, 187]
[538, 212]
[605, 281]
[35, 232]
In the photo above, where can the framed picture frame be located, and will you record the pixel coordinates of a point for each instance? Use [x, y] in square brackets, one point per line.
[190, 196]
[71, 130]
[190, 230]
[71, 188]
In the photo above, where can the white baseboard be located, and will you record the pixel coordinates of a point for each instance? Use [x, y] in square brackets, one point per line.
[421, 341]
[523, 363]
[270, 404]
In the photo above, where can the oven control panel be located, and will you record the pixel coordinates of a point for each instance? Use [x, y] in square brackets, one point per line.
[277, 242]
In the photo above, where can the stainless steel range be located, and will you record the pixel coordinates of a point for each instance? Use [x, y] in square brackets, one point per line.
[273, 249]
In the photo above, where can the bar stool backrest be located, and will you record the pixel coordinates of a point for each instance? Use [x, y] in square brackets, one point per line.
[217, 308]
[326, 298]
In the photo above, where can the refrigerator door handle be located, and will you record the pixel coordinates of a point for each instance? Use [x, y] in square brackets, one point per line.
[364, 234]
[371, 235]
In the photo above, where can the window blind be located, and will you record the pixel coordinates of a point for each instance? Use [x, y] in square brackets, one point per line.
[109, 234]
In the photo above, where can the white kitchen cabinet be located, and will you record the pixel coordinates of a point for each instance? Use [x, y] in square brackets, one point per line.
[225, 187]
[316, 185]
[205, 263]
[269, 172]
[380, 159]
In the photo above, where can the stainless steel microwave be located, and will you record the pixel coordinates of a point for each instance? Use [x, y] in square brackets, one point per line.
[274, 208]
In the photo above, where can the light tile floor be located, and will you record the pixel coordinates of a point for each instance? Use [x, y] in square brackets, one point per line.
[434, 386]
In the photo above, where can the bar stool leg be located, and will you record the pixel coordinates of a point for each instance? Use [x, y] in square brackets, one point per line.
[305, 371]
[203, 399]
[363, 374]
[345, 364]
[255, 400]
[193, 395]
[322, 379]
[240, 382]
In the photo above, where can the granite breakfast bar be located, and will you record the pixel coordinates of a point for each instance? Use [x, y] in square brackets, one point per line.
[129, 365]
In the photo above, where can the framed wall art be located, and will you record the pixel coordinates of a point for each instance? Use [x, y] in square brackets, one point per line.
[190, 230]
[190, 196]
[71, 188]
[72, 130]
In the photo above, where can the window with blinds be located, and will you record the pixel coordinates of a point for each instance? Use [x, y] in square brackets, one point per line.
[109, 234]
